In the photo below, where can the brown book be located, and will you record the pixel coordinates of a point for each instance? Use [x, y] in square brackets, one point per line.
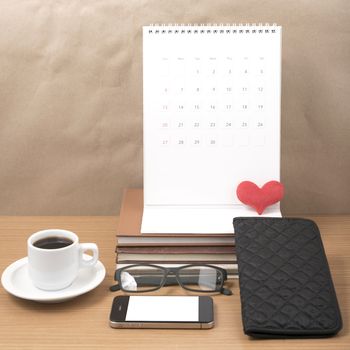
[130, 220]
[177, 257]
[146, 240]
[130, 217]
[180, 262]
[176, 250]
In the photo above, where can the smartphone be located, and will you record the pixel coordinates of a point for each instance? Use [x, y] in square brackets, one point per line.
[162, 312]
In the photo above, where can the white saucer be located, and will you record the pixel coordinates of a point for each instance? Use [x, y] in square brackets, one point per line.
[16, 281]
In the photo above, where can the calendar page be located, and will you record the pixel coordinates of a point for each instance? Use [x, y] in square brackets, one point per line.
[211, 120]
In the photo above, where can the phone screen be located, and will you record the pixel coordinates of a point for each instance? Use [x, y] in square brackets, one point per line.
[163, 309]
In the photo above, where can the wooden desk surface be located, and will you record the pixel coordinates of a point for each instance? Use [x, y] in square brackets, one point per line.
[82, 323]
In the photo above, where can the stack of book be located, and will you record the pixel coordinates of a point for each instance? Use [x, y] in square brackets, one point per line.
[168, 250]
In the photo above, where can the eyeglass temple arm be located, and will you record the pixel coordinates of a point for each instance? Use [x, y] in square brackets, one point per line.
[114, 288]
[226, 291]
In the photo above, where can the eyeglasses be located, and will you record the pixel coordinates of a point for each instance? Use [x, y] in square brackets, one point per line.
[147, 278]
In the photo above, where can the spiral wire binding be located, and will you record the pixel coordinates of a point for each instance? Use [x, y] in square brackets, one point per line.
[221, 28]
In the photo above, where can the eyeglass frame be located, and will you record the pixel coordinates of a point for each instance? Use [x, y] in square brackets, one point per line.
[172, 270]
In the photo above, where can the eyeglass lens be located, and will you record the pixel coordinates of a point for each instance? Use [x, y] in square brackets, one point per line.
[200, 278]
[141, 278]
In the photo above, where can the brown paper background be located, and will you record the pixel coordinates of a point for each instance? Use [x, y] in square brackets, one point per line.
[71, 99]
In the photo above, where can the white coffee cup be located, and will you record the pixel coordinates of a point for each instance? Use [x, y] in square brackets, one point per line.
[54, 269]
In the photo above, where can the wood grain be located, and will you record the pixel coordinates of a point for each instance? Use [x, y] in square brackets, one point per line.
[82, 323]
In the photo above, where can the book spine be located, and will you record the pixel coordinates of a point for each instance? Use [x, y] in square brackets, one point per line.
[176, 250]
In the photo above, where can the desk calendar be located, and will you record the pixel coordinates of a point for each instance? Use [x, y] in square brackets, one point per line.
[211, 120]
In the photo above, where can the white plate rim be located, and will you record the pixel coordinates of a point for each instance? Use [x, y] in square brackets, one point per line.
[64, 294]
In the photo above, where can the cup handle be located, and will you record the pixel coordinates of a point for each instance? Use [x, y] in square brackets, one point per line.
[88, 246]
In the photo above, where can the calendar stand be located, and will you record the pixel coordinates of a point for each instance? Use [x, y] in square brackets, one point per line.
[211, 120]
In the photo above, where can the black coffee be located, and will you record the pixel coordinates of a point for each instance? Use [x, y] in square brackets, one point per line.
[52, 242]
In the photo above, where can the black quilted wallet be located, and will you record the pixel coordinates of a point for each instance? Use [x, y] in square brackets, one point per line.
[285, 284]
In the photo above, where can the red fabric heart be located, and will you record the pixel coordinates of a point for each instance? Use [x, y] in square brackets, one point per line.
[260, 198]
